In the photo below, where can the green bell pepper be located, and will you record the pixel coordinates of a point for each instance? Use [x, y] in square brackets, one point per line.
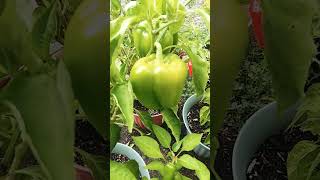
[158, 81]
[143, 38]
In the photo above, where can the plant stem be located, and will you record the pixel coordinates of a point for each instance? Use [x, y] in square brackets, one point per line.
[164, 26]
[10, 150]
[20, 151]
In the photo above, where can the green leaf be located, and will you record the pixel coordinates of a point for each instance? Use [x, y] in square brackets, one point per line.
[232, 35]
[46, 101]
[163, 136]
[307, 117]
[172, 122]
[313, 167]
[146, 119]
[175, 11]
[176, 146]
[148, 146]
[289, 70]
[44, 30]
[15, 24]
[114, 135]
[204, 115]
[118, 28]
[190, 141]
[157, 166]
[200, 70]
[179, 176]
[119, 171]
[192, 163]
[30, 173]
[116, 4]
[205, 16]
[296, 159]
[133, 166]
[124, 98]
[97, 164]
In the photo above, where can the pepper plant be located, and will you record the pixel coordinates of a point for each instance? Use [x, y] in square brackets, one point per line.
[168, 164]
[38, 93]
[154, 74]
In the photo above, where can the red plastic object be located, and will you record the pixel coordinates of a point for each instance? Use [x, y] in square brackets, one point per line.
[4, 81]
[157, 119]
[83, 173]
[256, 16]
[190, 68]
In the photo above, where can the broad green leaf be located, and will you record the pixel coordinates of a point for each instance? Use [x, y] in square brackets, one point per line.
[148, 146]
[17, 39]
[162, 135]
[172, 122]
[191, 141]
[119, 171]
[97, 164]
[124, 98]
[175, 11]
[41, 103]
[30, 173]
[204, 115]
[116, 4]
[295, 158]
[118, 28]
[313, 167]
[114, 135]
[200, 70]
[157, 166]
[205, 16]
[312, 125]
[146, 119]
[292, 25]
[133, 166]
[192, 163]
[44, 30]
[176, 146]
[308, 114]
[225, 65]
[207, 140]
[179, 176]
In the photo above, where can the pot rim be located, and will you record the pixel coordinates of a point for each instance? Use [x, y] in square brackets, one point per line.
[191, 100]
[140, 162]
[155, 115]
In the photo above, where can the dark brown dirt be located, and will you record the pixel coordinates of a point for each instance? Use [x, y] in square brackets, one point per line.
[194, 120]
[269, 162]
[119, 157]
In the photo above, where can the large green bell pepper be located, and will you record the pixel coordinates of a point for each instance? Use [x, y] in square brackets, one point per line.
[158, 82]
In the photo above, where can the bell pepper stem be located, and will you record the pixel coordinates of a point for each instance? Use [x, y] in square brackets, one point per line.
[159, 51]
[164, 26]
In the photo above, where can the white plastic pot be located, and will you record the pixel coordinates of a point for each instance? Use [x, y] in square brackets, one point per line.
[201, 150]
[260, 126]
[132, 155]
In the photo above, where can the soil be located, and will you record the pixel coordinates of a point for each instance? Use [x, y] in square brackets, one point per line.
[270, 160]
[89, 140]
[194, 121]
[119, 158]
[138, 106]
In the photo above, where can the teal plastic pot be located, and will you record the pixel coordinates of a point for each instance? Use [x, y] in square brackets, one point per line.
[261, 125]
[201, 150]
[132, 155]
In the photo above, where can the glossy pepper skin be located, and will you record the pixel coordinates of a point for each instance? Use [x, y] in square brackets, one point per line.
[167, 40]
[143, 38]
[158, 83]
[86, 59]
